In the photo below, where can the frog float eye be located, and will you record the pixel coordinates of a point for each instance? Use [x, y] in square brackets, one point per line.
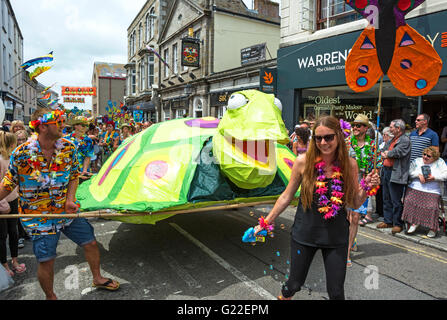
[237, 101]
[278, 104]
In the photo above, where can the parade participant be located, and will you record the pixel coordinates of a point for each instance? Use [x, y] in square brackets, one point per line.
[423, 196]
[125, 133]
[423, 137]
[394, 176]
[46, 170]
[329, 182]
[83, 143]
[362, 148]
[8, 227]
[17, 125]
[107, 140]
[300, 141]
[22, 136]
[93, 133]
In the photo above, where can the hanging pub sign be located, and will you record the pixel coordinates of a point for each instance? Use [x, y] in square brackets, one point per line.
[78, 91]
[191, 52]
[74, 100]
[268, 80]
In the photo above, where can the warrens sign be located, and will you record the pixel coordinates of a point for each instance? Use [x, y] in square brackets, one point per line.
[323, 60]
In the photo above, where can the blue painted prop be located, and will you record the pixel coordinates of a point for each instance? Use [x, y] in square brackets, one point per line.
[249, 236]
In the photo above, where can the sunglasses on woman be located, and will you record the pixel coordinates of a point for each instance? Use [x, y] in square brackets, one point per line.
[426, 155]
[327, 138]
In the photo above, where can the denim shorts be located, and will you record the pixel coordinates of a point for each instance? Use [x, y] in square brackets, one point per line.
[363, 210]
[80, 231]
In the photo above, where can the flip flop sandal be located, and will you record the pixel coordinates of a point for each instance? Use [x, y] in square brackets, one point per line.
[106, 285]
[21, 268]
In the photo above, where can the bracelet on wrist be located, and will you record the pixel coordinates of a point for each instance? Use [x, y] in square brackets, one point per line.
[264, 224]
[370, 191]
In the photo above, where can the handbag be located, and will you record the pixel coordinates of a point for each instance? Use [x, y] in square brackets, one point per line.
[5, 279]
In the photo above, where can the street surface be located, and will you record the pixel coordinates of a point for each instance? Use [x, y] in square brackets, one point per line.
[201, 257]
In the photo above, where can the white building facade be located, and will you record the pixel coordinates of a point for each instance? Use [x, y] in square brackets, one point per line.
[11, 58]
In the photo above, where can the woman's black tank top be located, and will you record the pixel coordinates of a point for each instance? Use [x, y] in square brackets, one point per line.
[311, 229]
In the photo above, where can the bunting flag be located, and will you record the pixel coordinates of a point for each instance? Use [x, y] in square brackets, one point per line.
[46, 97]
[32, 62]
[37, 72]
[158, 55]
[48, 88]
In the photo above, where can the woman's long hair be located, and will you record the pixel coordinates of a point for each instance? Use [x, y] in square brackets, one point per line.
[8, 142]
[313, 156]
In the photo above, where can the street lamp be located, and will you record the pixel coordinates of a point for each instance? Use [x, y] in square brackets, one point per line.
[188, 90]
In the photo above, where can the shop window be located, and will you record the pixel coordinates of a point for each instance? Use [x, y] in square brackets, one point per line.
[179, 113]
[220, 112]
[343, 103]
[331, 13]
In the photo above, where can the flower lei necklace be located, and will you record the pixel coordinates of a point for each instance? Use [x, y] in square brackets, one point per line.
[35, 161]
[361, 161]
[330, 207]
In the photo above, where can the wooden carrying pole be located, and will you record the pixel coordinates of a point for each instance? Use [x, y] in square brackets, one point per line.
[108, 214]
[378, 123]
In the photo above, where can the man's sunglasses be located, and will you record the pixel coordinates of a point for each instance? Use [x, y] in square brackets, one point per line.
[358, 125]
[327, 138]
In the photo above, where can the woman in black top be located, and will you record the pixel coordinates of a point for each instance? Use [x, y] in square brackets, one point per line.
[329, 183]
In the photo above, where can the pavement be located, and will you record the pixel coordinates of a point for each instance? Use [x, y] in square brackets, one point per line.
[419, 236]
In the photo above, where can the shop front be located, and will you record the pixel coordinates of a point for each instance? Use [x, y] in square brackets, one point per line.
[312, 83]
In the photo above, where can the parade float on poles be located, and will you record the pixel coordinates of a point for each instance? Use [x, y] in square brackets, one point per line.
[194, 165]
[388, 46]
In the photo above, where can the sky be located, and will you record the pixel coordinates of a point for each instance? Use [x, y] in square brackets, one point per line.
[79, 32]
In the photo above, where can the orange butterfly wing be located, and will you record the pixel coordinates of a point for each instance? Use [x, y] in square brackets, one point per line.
[362, 65]
[416, 66]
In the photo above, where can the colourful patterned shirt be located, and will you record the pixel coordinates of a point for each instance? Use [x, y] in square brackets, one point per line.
[109, 139]
[42, 186]
[84, 147]
[369, 157]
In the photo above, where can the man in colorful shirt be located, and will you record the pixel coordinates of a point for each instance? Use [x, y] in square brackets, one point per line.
[46, 170]
[83, 143]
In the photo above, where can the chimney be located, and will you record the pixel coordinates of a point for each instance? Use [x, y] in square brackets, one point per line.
[267, 8]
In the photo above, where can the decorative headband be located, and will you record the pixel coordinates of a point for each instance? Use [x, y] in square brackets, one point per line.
[53, 116]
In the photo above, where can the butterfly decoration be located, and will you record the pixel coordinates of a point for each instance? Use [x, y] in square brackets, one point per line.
[388, 46]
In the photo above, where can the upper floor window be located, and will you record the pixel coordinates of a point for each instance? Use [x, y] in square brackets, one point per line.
[331, 13]
[132, 44]
[166, 57]
[175, 58]
[150, 70]
[150, 24]
[140, 36]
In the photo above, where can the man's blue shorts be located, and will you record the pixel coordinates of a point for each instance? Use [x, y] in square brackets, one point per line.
[80, 231]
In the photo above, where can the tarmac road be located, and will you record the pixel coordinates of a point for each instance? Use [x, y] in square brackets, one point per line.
[201, 257]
